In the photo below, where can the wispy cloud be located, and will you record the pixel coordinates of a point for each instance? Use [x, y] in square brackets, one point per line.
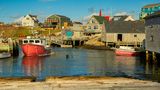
[86, 18]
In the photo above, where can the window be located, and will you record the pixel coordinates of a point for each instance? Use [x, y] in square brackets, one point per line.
[150, 26]
[31, 41]
[27, 18]
[25, 41]
[37, 41]
[93, 21]
[151, 38]
[143, 9]
[95, 27]
[135, 35]
[146, 9]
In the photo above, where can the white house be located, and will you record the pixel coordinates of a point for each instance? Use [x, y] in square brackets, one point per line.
[123, 18]
[29, 20]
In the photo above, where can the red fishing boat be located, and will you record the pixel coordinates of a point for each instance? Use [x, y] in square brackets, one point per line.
[35, 47]
[127, 51]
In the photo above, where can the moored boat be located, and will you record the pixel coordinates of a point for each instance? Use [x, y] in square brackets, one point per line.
[35, 47]
[5, 55]
[127, 51]
[6, 48]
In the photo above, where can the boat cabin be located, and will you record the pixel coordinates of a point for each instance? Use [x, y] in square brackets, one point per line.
[34, 41]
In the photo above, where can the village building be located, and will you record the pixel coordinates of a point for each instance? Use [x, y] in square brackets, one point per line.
[149, 9]
[94, 25]
[124, 33]
[78, 30]
[152, 26]
[123, 18]
[77, 26]
[29, 21]
[57, 22]
[1, 23]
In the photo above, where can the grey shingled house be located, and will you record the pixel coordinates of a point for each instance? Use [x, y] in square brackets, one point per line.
[57, 22]
[94, 25]
[152, 26]
[124, 33]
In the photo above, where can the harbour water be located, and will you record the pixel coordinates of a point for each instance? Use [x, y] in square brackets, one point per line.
[79, 62]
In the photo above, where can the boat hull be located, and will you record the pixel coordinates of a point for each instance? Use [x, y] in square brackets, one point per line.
[5, 55]
[126, 53]
[34, 50]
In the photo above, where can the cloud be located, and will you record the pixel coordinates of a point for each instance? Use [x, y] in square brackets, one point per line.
[121, 13]
[86, 18]
[18, 20]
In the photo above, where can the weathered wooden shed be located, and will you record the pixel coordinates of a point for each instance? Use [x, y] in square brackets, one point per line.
[124, 33]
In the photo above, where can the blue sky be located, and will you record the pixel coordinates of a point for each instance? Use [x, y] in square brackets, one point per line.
[75, 9]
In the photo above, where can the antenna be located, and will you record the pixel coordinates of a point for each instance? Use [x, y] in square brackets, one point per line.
[132, 13]
[110, 12]
[29, 11]
[91, 10]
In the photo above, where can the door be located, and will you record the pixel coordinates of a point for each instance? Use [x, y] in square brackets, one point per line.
[119, 37]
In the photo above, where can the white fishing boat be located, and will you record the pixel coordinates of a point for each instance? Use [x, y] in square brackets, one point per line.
[5, 55]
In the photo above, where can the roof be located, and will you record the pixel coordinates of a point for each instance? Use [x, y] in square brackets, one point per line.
[34, 17]
[120, 18]
[100, 19]
[63, 18]
[154, 15]
[125, 27]
[77, 23]
[151, 5]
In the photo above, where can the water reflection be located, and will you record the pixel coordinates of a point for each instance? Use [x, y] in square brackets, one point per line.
[152, 71]
[66, 63]
[33, 65]
[127, 66]
[99, 62]
[6, 66]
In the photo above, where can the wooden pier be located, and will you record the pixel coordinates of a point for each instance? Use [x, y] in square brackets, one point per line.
[65, 42]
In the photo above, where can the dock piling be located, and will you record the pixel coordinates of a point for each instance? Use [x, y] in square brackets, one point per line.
[154, 56]
[147, 56]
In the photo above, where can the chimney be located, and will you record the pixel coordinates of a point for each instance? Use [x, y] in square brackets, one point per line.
[100, 12]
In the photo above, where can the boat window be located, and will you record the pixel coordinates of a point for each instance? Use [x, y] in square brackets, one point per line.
[31, 41]
[25, 41]
[37, 41]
